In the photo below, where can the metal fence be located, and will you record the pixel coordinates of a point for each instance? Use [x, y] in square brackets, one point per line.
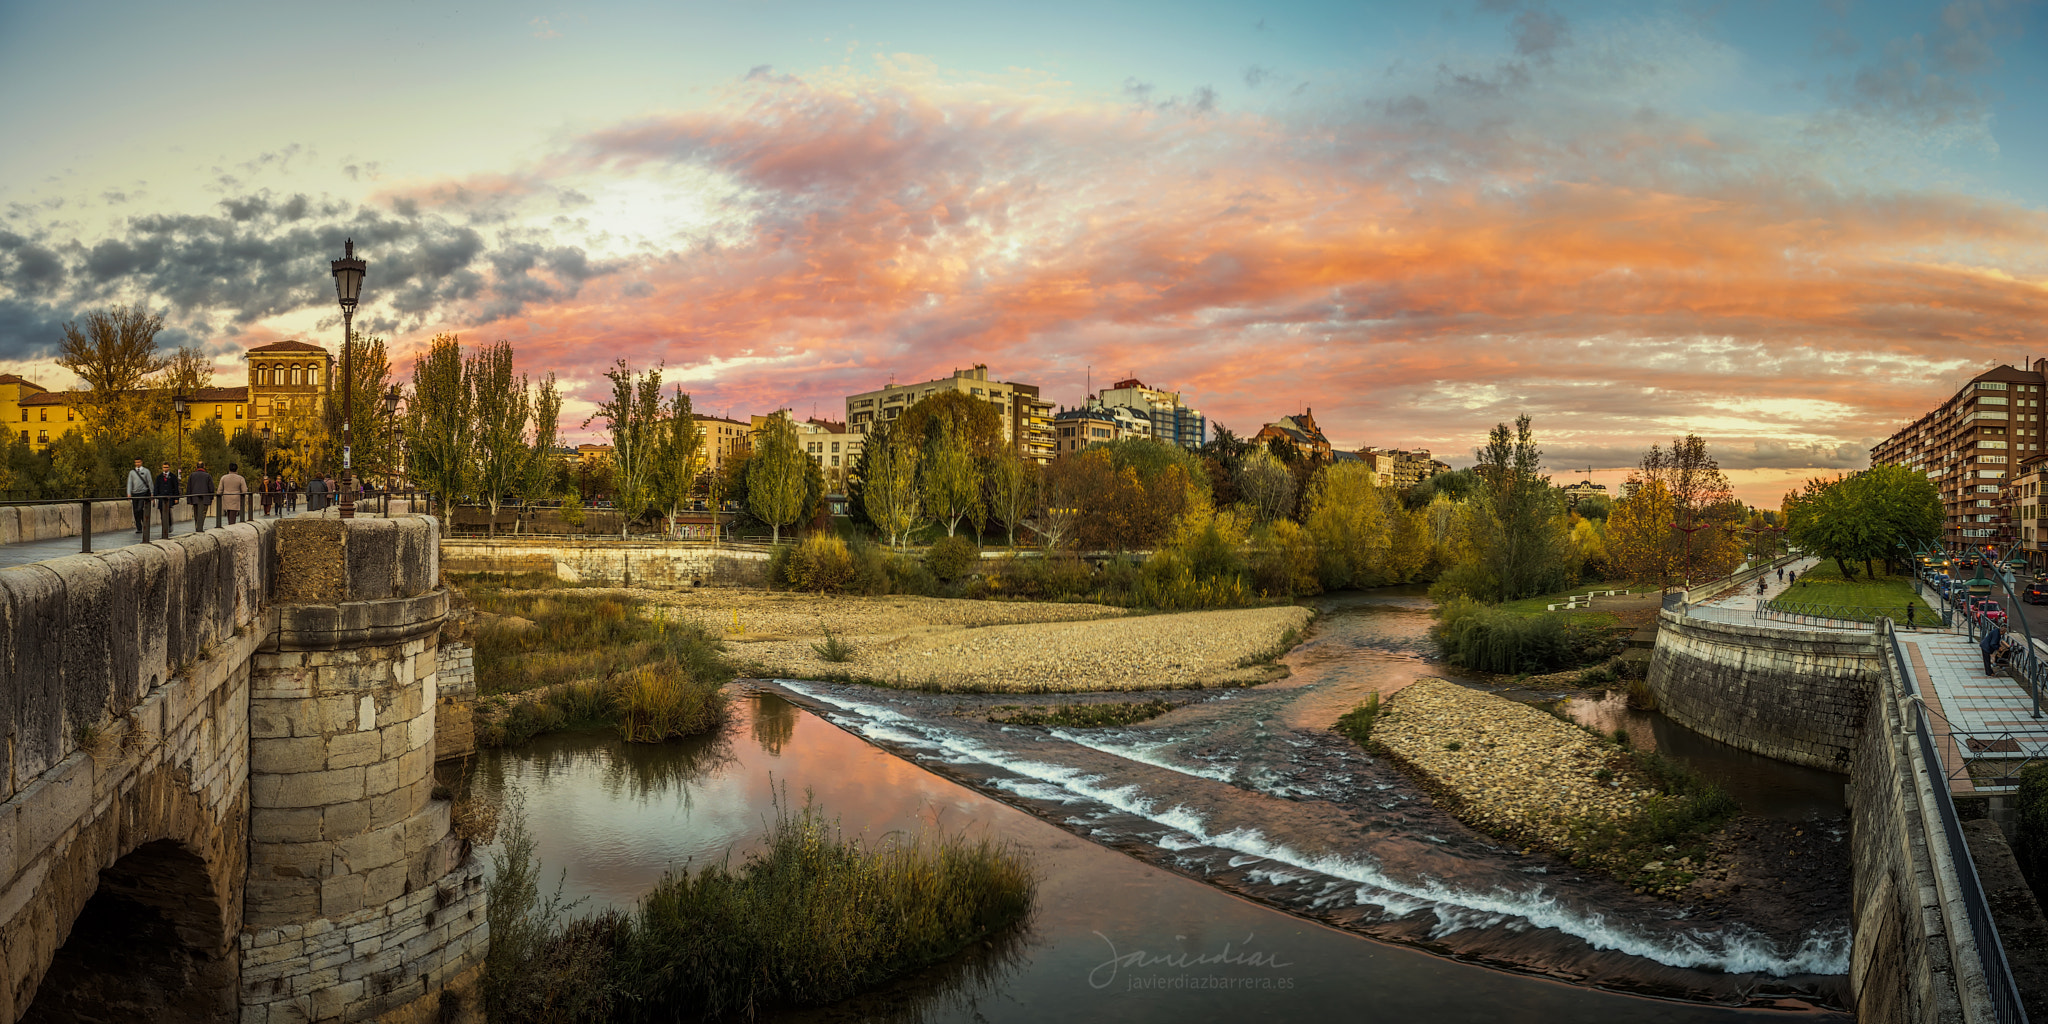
[2005, 992]
[157, 519]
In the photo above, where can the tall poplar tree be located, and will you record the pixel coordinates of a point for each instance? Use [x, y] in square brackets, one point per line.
[775, 475]
[952, 482]
[439, 425]
[502, 403]
[538, 480]
[632, 418]
[680, 458]
[1012, 486]
[891, 494]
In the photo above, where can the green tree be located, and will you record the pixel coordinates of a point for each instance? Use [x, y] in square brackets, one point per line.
[502, 404]
[975, 422]
[632, 418]
[439, 426]
[114, 353]
[776, 490]
[1522, 543]
[680, 457]
[1865, 516]
[544, 471]
[1265, 483]
[1349, 523]
[951, 480]
[373, 446]
[1012, 486]
[891, 494]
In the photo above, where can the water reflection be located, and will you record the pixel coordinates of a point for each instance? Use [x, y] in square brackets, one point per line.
[613, 831]
[1763, 786]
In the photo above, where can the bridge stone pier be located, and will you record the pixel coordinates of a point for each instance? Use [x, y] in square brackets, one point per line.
[218, 801]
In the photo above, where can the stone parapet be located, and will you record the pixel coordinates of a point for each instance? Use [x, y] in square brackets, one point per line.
[609, 562]
[1797, 695]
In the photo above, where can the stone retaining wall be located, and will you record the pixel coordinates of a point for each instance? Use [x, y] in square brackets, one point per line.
[455, 703]
[617, 563]
[1796, 695]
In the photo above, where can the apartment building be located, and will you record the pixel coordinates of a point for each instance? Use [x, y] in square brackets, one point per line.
[1398, 467]
[1581, 491]
[1026, 418]
[723, 439]
[833, 447]
[1170, 420]
[2026, 501]
[1096, 423]
[1971, 445]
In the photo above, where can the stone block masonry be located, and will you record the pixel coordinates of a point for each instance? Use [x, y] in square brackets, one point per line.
[1796, 695]
[218, 769]
[614, 563]
[455, 705]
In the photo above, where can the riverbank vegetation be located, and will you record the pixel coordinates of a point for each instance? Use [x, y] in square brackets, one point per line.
[1080, 716]
[1878, 516]
[815, 917]
[551, 656]
[1525, 776]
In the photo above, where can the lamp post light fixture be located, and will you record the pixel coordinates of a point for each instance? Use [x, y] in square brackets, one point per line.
[391, 438]
[348, 286]
[179, 403]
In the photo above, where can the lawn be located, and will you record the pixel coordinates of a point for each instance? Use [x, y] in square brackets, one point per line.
[1601, 614]
[1865, 597]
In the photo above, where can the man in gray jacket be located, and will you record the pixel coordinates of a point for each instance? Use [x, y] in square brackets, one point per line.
[140, 486]
[199, 491]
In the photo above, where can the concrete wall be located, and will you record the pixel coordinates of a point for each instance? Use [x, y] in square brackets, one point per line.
[660, 565]
[1796, 695]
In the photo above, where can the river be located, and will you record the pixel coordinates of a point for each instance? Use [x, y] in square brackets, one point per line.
[1303, 846]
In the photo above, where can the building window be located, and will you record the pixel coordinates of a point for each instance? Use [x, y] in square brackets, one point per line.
[835, 461]
[313, 375]
[238, 412]
[297, 374]
[44, 415]
[42, 437]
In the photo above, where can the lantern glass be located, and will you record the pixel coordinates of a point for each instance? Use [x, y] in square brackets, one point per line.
[178, 404]
[348, 276]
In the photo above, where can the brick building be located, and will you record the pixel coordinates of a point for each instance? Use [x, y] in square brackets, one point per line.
[1972, 446]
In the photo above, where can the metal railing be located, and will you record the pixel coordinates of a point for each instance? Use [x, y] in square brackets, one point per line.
[1998, 979]
[157, 515]
[1808, 614]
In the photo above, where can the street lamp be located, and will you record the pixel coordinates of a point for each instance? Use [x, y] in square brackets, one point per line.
[348, 286]
[178, 405]
[391, 438]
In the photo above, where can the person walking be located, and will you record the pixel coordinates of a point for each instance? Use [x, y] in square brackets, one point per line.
[316, 494]
[291, 494]
[1989, 644]
[269, 486]
[167, 491]
[1909, 613]
[1781, 574]
[234, 493]
[139, 488]
[199, 492]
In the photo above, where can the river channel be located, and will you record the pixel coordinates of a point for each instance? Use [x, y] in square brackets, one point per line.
[1286, 873]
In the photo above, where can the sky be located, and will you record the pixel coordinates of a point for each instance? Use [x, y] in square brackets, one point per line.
[1789, 227]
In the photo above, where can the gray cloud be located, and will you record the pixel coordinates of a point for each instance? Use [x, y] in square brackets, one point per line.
[1538, 32]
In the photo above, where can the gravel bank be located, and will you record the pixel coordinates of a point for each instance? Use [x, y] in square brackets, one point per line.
[993, 646]
[1516, 770]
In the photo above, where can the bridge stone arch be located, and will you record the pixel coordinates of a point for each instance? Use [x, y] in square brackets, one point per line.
[130, 684]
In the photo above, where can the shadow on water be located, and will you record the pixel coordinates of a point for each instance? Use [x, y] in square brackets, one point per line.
[1764, 787]
[1112, 936]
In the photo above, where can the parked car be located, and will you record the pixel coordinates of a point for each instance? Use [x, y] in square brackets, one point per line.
[1989, 610]
[2036, 592]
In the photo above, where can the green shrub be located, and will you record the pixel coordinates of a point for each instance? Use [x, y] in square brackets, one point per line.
[833, 649]
[661, 701]
[906, 575]
[1357, 722]
[2030, 825]
[819, 563]
[1057, 577]
[950, 558]
[1488, 639]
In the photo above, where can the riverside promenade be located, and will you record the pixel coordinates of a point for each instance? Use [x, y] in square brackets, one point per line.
[1985, 730]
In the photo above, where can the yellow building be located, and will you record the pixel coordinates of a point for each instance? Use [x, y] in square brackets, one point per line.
[19, 419]
[286, 378]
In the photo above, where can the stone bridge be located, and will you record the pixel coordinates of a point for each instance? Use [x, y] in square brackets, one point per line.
[218, 798]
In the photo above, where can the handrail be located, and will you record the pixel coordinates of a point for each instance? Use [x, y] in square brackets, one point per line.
[156, 508]
[1998, 979]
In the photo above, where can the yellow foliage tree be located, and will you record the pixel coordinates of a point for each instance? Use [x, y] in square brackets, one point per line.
[1641, 541]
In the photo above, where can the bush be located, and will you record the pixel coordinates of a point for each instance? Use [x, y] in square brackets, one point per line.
[2030, 826]
[1052, 578]
[903, 574]
[950, 558]
[1488, 639]
[661, 701]
[820, 563]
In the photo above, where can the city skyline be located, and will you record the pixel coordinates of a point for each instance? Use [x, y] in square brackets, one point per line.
[1792, 231]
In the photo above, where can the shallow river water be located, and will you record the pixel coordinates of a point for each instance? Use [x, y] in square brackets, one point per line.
[1247, 791]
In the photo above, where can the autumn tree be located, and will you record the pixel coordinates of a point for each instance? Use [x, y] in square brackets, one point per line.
[1640, 542]
[439, 427]
[543, 468]
[976, 423]
[1266, 484]
[949, 476]
[775, 475]
[680, 457]
[1704, 512]
[631, 418]
[891, 497]
[374, 442]
[1012, 483]
[1349, 522]
[114, 353]
[502, 404]
[1520, 537]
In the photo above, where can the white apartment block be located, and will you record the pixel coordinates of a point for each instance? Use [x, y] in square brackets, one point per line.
[1026, 418]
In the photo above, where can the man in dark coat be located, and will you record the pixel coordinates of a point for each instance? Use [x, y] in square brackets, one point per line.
[167, 491]
[199, 491]
[1989, 644]
[316, 494]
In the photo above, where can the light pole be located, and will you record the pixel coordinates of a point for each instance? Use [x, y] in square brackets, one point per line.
[348, 285]
[179, 403]
[390, 438]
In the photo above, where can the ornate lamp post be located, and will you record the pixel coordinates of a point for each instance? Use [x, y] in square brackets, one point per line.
[179, 403]
[391, 437]
[348, 286]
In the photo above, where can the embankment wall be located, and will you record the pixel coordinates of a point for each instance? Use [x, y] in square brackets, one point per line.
[608, 562]
[1797, 695]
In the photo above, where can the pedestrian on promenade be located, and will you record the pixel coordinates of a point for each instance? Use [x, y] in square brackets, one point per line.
[140, 487]
[167, 491]
[269, 486]
[1781, 574]
[1989, 644]
[316, 494]
[291, 495]
[199, 491]
[1909, 613]
[234, 493]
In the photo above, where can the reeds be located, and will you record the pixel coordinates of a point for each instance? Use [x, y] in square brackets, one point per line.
[661, 701]
[813, 918]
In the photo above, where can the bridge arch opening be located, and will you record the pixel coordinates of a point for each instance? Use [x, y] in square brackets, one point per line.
[149, 945]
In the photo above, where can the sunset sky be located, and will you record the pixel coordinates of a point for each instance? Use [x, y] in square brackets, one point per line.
[1787, 226]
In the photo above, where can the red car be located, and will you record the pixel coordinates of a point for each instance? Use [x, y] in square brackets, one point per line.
[1988, 610]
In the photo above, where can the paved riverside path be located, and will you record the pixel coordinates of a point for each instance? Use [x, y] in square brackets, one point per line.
[24, 552]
